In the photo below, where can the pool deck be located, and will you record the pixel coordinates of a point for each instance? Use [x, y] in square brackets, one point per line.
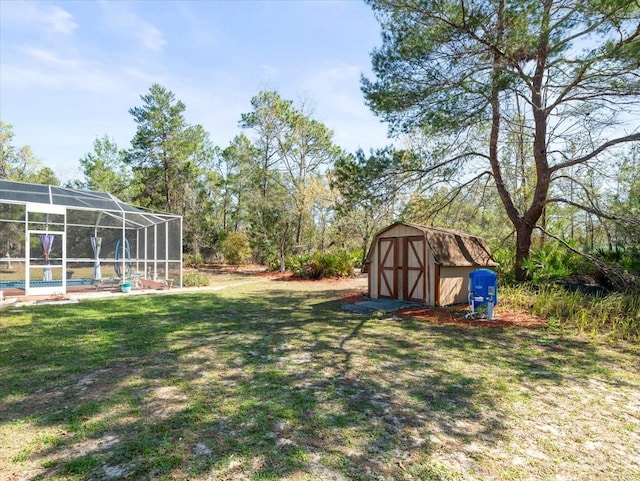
[16, 296]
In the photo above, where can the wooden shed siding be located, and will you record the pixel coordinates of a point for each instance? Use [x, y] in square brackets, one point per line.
[373, 271]
[454, 284]
[436, 285]
[372, 268]
[401, 230]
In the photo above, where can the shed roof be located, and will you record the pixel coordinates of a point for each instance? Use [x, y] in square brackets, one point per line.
[449, 247]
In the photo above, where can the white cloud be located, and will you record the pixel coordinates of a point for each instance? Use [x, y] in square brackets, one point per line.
[49, 57]
[60, 21]
[46, 19]
[122, 18]
[150, 37]
[56, 73]
[61, 87]
[72, 66]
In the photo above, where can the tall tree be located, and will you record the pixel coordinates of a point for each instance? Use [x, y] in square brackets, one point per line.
[240, 177]
[268, 121]
[625, 199]
[307, 150]
[271, 222]
[171, 160]
[270, 217]
[105, 169]
[368, 189]
[166, 152]
[20, 164]
[560, 76]
[292, 150]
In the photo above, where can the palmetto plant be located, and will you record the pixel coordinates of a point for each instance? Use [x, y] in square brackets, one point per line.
[549, 263]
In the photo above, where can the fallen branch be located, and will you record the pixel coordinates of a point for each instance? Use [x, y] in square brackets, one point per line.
[619, 279]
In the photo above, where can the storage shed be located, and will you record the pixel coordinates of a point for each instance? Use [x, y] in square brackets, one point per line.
[430, 265]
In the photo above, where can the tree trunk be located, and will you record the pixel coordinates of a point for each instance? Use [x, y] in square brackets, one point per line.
[524, 232]
[282, 265]
[236, 217]
[365, 245]
[225, 205]
[283, 244]
[544, 227]
[525, 224]
[299, 229]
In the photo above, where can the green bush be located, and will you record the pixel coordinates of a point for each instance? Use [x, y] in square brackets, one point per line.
[504, 257]
[195, 279]
[318, 265]
[545, 265]
[615, 314]
[550, 263]
[357, 255]
[626, 257]
[193, 260]
[236, 249]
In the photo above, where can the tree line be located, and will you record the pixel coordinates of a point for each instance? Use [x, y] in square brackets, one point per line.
[280, 183]
[518, 121]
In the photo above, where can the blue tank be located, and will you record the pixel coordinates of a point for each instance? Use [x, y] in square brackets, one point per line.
[483, 291]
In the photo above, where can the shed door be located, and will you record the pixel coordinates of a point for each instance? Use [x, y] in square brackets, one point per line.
[388, 267]
[415, 273]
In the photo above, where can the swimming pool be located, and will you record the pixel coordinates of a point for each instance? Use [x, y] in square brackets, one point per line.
[70, 283]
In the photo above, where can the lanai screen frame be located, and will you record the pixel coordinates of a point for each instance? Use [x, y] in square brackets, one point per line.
[29, 210]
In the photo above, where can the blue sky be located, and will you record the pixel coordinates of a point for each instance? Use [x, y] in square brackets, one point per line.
[70, 71]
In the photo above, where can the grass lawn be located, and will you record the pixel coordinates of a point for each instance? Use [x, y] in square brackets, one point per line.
[271, 380]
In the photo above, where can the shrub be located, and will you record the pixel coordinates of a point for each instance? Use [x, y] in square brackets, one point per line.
[357, 256]
[549, 263]
[319, 265]
[616, 314]
[236, 249]
[626, 257]
[193, 260]
[504, 257]
[195, 279]
[545, 265]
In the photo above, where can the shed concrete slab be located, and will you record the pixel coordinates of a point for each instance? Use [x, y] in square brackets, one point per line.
[378, 305]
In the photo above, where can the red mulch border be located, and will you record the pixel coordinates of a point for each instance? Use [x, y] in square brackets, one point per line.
[455, 315]
[505, 318]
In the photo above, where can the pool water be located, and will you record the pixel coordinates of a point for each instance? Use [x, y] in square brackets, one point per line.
[70, 283]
